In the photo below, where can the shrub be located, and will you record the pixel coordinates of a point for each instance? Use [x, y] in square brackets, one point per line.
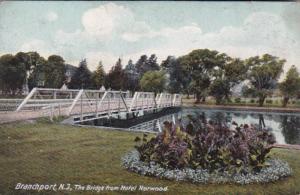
[269, 101]
[237, 100]
[211, 146]
[252, 101]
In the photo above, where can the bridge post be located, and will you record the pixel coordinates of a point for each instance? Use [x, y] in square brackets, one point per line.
[81, 108]
[97, 101]
[133, 100]
[26, 99]
[74, 102]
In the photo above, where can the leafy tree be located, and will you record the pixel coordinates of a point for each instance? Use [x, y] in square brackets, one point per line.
[12, 74]
[24, 58]
[290, 87]
[131, 77]
[220, 89]
[201, 64]
[248, 92]
[263, 74]
[153, 81]
[55, 72]
[98, 76]
[178, 78]
[115, 77]
[140, 64]
[82, 77]
[145, 64]
[37, 75]
[151, 64]
[227, 76]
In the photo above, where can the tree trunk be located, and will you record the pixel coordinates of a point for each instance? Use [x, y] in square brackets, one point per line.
[203, 99]
[285, 101]
[198, 97]
[261, 100]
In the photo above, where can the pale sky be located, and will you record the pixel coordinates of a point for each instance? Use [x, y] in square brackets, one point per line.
[108, 30]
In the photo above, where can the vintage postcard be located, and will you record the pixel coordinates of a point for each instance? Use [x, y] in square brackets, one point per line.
[149, 97]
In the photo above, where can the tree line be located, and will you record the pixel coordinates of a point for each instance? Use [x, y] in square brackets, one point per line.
[202, 73]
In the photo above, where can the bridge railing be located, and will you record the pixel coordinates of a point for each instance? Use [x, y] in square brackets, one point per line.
[80, 102]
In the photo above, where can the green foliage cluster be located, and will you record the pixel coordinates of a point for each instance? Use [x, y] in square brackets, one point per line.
[153, 81]
[237, 100]
[208, 145]
[290, 87]
[269, 101]
[31, 68]
[202, 73]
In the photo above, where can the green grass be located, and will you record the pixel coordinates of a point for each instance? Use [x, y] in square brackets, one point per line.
[51, 153]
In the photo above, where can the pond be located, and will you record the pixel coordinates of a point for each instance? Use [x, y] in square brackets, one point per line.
[285, 126]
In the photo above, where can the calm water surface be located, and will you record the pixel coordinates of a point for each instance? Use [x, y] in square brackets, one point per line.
[285, 127]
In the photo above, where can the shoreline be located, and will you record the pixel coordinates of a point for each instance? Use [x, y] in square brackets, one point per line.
[243, 108]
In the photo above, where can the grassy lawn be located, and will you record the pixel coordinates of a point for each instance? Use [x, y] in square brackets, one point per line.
[51, 153]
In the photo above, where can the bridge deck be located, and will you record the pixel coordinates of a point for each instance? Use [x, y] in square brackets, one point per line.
[83, 104]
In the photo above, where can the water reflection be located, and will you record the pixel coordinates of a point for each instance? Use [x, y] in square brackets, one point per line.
[285, 127]
[290, 126]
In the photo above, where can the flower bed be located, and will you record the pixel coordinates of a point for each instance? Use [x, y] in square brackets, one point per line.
[207, 151]
[276, 170]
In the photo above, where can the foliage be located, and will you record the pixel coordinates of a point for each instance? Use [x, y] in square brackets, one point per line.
[226, 77]
[263, 74]
[115, 77]
[249, 92]
[54, 72]
[276, 170]
[290, 87]
[37, 76]
[12, 74]
[145, 64]
[201, 64]
[178, 78]
[237, 100]
[269, 101]
[82, 77]
[153, 81]
[131, 77]
[220, 89]
[98, 76]
[212, 146]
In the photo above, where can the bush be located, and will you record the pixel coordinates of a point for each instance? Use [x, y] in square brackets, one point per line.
[208, 145]
[252, 101]
[269, 101]
[237, 100]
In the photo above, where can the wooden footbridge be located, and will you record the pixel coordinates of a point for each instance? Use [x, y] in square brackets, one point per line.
[83, 105]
